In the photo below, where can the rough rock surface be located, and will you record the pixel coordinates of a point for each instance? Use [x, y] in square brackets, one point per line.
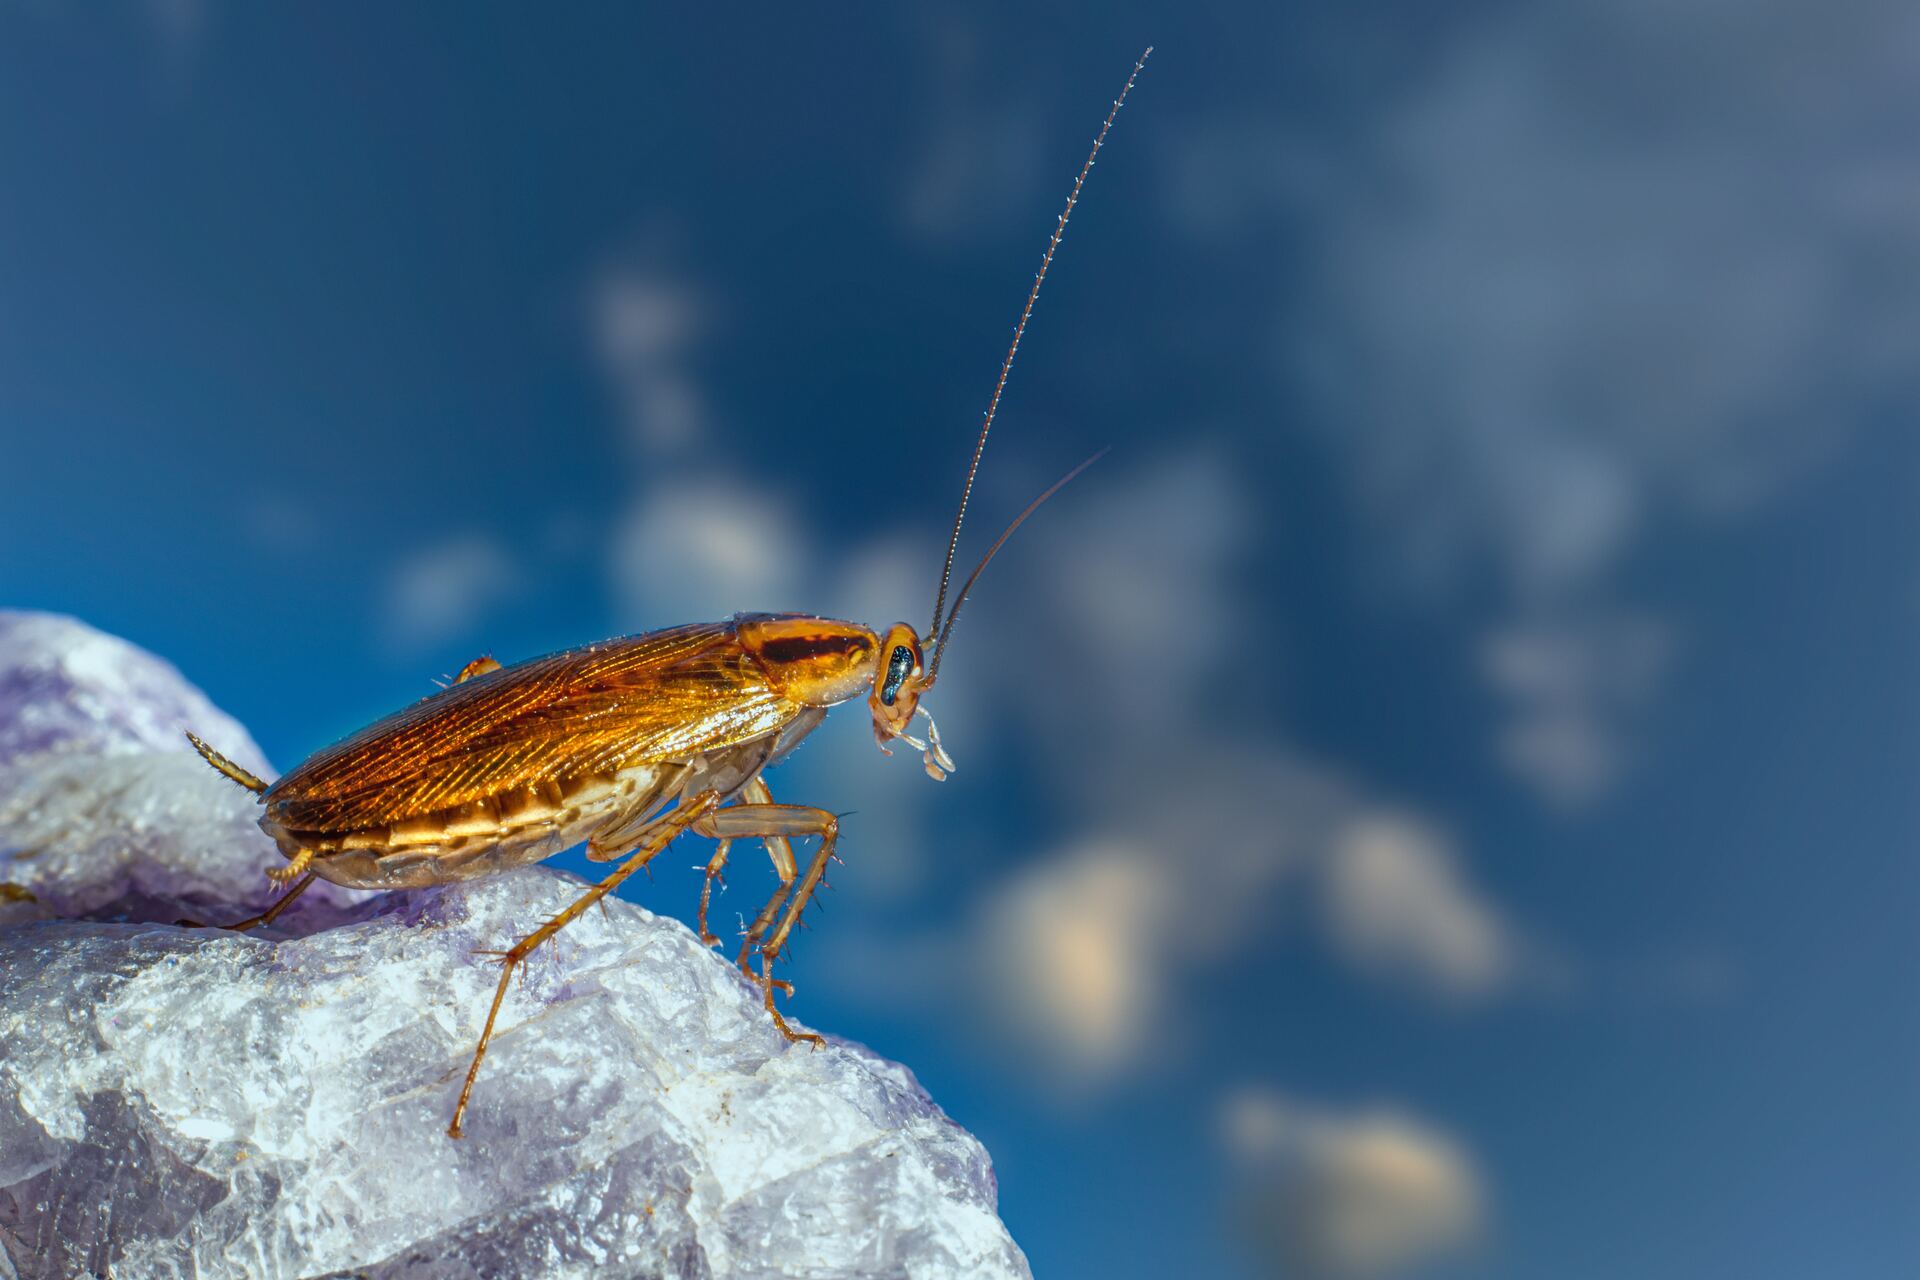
[190, 1103]
[104, 808]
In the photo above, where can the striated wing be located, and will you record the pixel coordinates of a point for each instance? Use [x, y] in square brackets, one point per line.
[661, 696]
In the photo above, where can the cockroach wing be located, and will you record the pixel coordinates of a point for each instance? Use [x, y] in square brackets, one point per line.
[663, 696]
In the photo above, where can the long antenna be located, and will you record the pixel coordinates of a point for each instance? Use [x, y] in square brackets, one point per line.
[1019, 330]
[940, 647]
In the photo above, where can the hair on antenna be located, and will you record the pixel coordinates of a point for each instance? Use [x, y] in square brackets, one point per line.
[940, 646]
[1006, 367]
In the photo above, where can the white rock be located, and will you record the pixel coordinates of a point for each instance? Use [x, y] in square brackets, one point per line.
[192, 1103]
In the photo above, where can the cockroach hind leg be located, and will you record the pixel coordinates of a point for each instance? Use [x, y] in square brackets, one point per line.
[513, 958]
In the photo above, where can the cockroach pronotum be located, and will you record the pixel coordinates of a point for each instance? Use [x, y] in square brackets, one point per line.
[625, 744]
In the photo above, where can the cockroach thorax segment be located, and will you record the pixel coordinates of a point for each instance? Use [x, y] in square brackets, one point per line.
[817, 662]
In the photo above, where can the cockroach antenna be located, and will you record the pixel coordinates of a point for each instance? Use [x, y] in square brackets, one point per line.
[1000, 386]
[940, 648]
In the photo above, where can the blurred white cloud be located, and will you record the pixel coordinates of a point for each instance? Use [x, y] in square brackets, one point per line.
[1079, 956]
[645, 323]
[1543, 317]
[441, 592]
[277, 522]
[1358, 1195]
[1107, 637]
[180, 26]
[1572, 304]
[1074, 955]
[1107, 646]
[1572, 688]
[981, 165]
[1136, 586]
[699, 538]
[695, 546]
[1187, 825]
[1133, 582]
[1397, 904]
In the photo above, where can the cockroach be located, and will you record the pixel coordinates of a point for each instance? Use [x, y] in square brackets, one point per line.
[625, 745]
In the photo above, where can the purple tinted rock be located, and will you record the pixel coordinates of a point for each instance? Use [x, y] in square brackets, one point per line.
[196, 1103]
[105, 809]
[65, 687]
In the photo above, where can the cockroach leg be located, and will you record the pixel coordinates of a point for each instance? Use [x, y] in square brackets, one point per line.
[770, 984]
[829, 833]
[226, 766]
[265, 917]
[779, 847]
[785, 821]
[296, 865]
[478, 667]
[687, 814]
[757, 930]
[715, 865]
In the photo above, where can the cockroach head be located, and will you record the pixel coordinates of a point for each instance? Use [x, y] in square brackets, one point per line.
[900, 676]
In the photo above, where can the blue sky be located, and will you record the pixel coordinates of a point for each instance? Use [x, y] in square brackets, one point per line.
[1437, 797]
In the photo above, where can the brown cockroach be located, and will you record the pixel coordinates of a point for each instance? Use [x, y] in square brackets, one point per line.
[624, 744]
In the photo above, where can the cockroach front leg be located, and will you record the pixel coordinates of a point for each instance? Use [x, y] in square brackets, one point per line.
[785, 822]
[688, 814]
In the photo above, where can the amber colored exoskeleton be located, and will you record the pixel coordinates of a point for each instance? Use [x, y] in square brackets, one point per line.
[625, 745]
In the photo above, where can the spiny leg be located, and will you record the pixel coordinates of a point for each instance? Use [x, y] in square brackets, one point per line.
[765, 980]
[779, 848]
[715, 865]
[816, 872]
[786, 821]
[265, 917]
[770, 950]
[761, 923]
[297, 864]
[689, 812]
[226, 766]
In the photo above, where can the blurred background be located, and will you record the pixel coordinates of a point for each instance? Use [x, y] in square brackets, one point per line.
[1437, 799]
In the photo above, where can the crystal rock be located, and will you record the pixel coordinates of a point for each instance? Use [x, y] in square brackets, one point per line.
[179, 1102]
